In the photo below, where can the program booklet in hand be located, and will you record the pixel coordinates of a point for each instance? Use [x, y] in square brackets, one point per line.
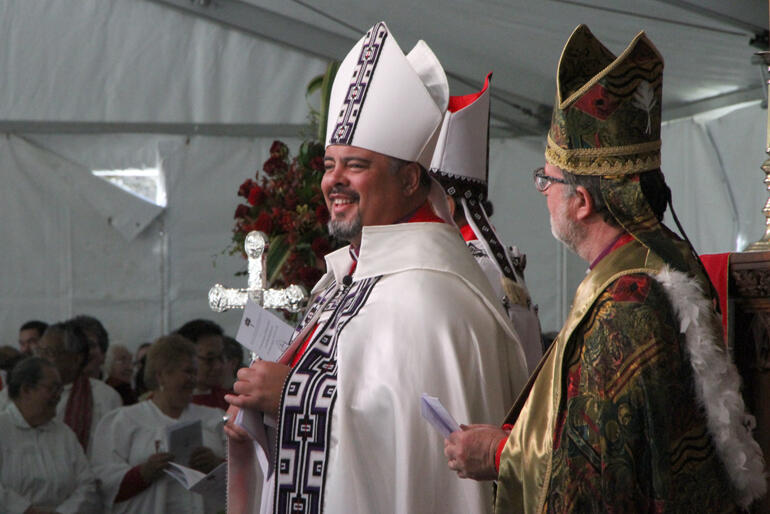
[182, 438]
[263, 333]
[213, 485]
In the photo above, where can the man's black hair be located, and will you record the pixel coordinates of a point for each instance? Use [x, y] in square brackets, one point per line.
[198, 328]
[35, 324]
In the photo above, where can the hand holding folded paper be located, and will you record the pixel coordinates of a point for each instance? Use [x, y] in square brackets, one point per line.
[436, 414]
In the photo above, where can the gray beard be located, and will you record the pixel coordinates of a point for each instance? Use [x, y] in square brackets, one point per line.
[345, 230]
[568, 232]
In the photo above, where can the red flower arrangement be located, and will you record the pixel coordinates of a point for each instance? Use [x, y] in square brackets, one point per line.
[286, 204]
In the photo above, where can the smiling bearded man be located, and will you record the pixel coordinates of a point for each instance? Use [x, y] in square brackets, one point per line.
[403, 310]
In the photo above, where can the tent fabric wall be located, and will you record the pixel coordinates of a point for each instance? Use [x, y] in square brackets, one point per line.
[713, 168]
[65, 258]
[137, 61]
[62, 256]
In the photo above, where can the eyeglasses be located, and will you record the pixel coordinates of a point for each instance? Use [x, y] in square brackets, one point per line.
[543, 181]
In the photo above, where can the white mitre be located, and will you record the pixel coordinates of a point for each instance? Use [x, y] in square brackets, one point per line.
[462, 147]
[461, 165]
[388, 102]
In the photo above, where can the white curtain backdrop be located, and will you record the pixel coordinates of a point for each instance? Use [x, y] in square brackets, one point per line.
[66, 253]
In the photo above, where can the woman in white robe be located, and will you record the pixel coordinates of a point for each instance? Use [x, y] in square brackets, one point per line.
[129, 451]
[42, 465]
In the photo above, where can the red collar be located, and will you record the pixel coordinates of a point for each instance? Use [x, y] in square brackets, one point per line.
[619, 241]
[468, 233]
[424, 214]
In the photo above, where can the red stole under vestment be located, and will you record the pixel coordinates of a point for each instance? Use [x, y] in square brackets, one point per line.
[80, 409]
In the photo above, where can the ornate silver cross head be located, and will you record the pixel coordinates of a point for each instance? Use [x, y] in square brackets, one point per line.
[222, 298]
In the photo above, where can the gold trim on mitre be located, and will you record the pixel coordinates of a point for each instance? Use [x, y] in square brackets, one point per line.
[641, 36]
[604, 160]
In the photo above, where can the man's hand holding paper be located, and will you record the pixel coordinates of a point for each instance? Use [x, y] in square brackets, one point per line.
[471, 451]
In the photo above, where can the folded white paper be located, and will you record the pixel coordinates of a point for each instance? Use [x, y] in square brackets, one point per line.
[213, 485]
[263, 333]
[436, 414]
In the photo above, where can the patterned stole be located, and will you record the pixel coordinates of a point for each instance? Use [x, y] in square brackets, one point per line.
[308, 399]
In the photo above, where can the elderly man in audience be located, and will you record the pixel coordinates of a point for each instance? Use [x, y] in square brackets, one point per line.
[209, 345]
[42, 465]
[84, 400]
[119, 370]
[129, 455]
[29, 334]
[98, 343]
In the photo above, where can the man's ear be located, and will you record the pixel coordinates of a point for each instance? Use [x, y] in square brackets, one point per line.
[583, 203]
[409, 174]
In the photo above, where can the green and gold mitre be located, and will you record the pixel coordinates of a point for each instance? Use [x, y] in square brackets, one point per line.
[606, 118]
[606, 123]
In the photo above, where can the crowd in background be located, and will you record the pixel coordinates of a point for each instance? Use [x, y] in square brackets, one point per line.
[84, 421]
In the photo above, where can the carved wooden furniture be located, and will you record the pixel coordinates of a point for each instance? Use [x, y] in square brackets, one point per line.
[749, 337]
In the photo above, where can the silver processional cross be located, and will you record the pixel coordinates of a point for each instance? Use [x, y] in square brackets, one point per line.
[290, 299]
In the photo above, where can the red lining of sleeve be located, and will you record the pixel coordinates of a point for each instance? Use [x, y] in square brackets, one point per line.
[501, 445]
[131, 485]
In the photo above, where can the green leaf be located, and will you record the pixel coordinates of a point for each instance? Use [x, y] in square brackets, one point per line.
[326, 92]
[314, 84]
[276, 257]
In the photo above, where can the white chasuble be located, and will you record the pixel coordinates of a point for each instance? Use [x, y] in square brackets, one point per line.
[418, 316]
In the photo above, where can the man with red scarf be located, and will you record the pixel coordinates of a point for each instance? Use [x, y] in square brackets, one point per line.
[403, 310]
[84, 400]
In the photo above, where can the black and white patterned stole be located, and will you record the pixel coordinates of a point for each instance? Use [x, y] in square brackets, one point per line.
[307, 402]
[363, 72]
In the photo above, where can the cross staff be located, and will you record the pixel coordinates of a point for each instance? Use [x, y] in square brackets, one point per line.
[222, 298]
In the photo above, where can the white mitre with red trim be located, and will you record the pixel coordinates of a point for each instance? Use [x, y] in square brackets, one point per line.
[461, 165]
[461, 153]
[388, 102]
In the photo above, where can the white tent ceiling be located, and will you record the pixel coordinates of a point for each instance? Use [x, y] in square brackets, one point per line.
[706, 46]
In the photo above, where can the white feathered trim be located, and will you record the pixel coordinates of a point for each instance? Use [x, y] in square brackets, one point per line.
[717, 385]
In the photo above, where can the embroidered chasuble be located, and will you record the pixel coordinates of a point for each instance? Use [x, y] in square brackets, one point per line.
[611, 423]
[416, 316]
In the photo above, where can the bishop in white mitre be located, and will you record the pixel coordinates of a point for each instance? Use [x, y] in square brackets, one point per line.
[403, 310]
[461, 165]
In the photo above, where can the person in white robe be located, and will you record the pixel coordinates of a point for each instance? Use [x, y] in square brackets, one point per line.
[461, 165]
[404, 310]
[42, 465]
[66, 346]
[129, 455]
